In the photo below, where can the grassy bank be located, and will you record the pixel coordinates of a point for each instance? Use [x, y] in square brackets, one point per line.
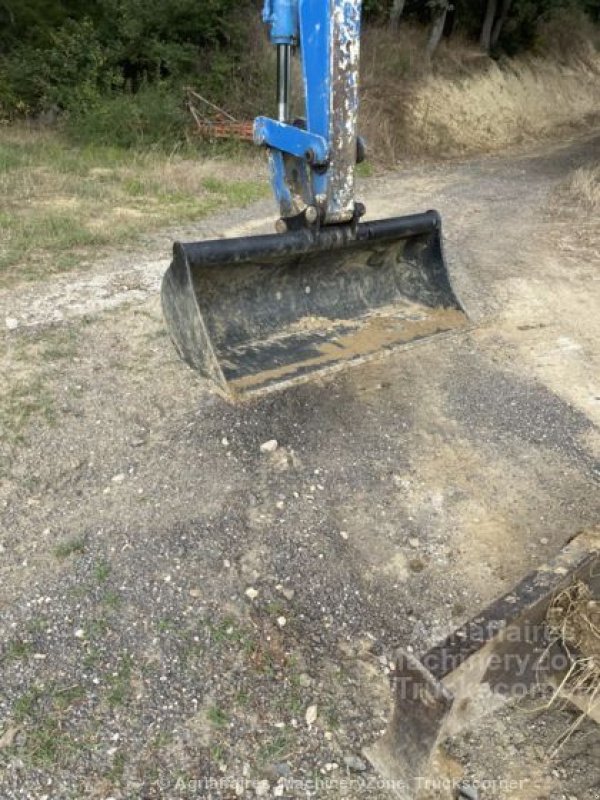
[464, 102]
[61, 205]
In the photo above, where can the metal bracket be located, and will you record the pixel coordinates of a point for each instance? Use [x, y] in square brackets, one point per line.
[292, 140]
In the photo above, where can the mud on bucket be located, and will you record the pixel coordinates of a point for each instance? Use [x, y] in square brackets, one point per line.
[256, 314]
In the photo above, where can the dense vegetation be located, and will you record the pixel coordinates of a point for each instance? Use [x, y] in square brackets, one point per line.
[115, 68]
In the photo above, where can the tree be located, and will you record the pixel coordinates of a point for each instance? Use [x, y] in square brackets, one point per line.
[439, 10]
[499, 24]
[485, 40]
[396, 13]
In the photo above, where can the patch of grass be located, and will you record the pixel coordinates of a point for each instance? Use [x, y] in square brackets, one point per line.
[153, 116]
[64, 698]
[120, 683]
[115, 773]
[96, 629]
[36, 626]
[276, 608]
[56, 230]
[46, 743]
[365, 169]
[101, 571]
[63, 262]
[276, 749]
[111, 599]
[21, 402]
[16, 650]
[236, 192]
[217, 753]
[134, 187]
[26, 395]
[295, 702]
[242, 698]
[162, 739]
[70, 547]
[59, 344]
[226, 631]
[331, 717]
[217, 716]
[92, 657]
[118, 693]
[26, 705]
[190, 648]
[213, 185]
[61, 203]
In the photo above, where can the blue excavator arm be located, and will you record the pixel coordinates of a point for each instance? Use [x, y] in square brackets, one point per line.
[312, 161]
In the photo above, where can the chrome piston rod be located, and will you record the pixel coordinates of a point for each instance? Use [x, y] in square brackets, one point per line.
[284, 71]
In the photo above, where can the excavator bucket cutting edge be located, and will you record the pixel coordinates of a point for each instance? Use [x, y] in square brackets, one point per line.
[256, 314]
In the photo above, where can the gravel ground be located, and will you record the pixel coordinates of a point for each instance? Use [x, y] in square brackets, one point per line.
[184, 614]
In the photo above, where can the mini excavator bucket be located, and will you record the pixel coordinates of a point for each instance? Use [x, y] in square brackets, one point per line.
[261, 313]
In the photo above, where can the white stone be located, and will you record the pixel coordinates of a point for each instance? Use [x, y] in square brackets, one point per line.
[262, 788]
[312, 712]
[270, 446]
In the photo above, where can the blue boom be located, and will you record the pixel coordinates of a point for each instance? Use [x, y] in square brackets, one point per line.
[312, 163]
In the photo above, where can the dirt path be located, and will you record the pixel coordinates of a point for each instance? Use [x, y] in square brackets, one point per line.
[173, 600]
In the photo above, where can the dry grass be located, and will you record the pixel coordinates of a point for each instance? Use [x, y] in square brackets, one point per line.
[573, 620]
[583, 189]
[60, 205]
[506, 105]
[466, 103]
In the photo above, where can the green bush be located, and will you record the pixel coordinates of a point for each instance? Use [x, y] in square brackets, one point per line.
[153, 116]
[69, 53]
[68, 73]
[566, 33]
